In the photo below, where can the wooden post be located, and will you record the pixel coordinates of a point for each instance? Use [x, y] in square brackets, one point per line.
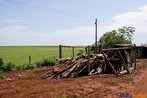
[88, 65]
[60, 51]
[29, 60]
[96, 32]
[86, 50]
[134, 51]
[100, 48]
[73, 51]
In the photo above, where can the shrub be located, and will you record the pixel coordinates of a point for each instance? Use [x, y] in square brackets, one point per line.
[20, 67]
[80, 52]
[1, 64]
[94, 49]
[9, 66]
[47, 62]
[30, 66]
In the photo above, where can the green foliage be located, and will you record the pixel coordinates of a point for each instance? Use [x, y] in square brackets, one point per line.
[2, 76]
[47, 62]
[80, 52]
[20, 67]
[9, 66]
[94, 49]
[121, 36]
[30, 66]
[1, 64]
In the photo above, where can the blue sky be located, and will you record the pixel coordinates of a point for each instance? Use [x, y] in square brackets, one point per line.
[68, 22]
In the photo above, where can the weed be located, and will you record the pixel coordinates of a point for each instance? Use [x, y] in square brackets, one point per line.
[47, 62]
[2, 76]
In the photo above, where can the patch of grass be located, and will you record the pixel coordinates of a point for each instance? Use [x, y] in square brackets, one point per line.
[31, 75]
[130, 77]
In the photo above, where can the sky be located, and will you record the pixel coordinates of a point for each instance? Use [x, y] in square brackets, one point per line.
[68, 22]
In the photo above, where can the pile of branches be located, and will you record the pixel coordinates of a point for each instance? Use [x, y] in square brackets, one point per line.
[78, 66]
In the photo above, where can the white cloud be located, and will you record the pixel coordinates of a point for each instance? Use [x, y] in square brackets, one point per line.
[12, 21]
[137, 18]
[12, 29]
[18, 35]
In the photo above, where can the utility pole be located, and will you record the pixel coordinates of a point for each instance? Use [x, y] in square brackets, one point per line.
[96, 32]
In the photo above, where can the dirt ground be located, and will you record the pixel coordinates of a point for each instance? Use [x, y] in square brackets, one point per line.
[30, 84]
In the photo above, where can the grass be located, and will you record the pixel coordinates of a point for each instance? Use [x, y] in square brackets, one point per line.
[20, 54]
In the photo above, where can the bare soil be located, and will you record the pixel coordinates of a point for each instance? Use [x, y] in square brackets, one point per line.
[30, 84]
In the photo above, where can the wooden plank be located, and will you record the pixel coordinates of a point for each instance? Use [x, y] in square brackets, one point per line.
[123, 60]
[109, 63]
[72, 46]
[88, 64]
[122, 48]
[125, 71]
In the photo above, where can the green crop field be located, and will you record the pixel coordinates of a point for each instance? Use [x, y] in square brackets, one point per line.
[20, 54]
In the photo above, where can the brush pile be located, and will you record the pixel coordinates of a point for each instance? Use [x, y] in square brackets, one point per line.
[77, 66]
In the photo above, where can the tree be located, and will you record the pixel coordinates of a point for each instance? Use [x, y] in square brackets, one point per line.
[121, 36]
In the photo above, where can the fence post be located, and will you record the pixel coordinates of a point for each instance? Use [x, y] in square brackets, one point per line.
[60, 51]
[30, 60]
[73, 51]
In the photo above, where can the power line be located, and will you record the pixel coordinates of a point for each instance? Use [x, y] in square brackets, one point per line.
[49, 10]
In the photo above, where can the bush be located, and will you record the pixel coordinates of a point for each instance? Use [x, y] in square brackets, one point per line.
[1, 64]
[94, 49]
[9, 66]
[20, 67]
[80, 52]
[47, 62]
[30, 66]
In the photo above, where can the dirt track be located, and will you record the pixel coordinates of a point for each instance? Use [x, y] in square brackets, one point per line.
[29, 84]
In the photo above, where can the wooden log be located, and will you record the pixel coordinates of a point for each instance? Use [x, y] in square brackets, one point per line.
[125, 71]
[68, 71]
